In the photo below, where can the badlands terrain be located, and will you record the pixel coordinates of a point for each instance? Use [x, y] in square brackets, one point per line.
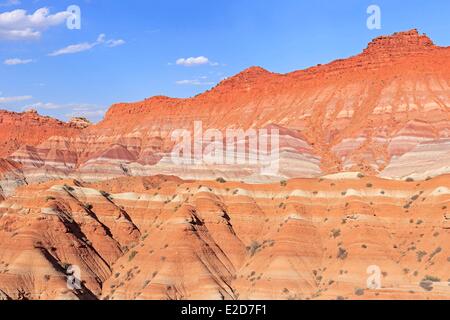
[359, 209]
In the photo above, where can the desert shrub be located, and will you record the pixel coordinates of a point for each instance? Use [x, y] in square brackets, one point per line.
[431, 278]
[342, 254]
[336, 233]
[254, 247]
[359, 292]
[435, 252]
[68, 188]
[420, 255]
[132, 255]
[427, 285]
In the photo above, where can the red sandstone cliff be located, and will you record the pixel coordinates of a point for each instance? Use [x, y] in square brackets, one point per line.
[29, 129]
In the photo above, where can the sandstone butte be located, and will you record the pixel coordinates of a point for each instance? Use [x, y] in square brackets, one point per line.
[363, 187]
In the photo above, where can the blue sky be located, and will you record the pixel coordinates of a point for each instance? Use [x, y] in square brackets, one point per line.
[129, 50]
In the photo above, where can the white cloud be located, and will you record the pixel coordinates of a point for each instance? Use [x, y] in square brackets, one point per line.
[194, 82]
[195, 61]
[115, 43]
[91, 111]
[86, 46]
[101, 38]
[19, 25]
[47, 106]
[15, 99]
[74, 48]
[87, 113]
[17, 61]
[109, 42]
[26, 34]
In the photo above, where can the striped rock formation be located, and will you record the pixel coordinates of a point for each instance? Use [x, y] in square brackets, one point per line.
[383, 112]
[357, 209]
[20, 133]
[165, 238]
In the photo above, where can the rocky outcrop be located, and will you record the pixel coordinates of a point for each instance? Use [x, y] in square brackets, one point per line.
[80, 122]
[18, 130]
[400, 43]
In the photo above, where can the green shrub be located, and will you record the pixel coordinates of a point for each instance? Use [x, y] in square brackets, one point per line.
[431, 278]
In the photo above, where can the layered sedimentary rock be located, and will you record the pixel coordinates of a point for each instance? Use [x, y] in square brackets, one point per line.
[376, 112]
[363, 113]
[56, 231]
[11, 177]
[165, 238]
[79, 219]
[20, 133]
[18, 130]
